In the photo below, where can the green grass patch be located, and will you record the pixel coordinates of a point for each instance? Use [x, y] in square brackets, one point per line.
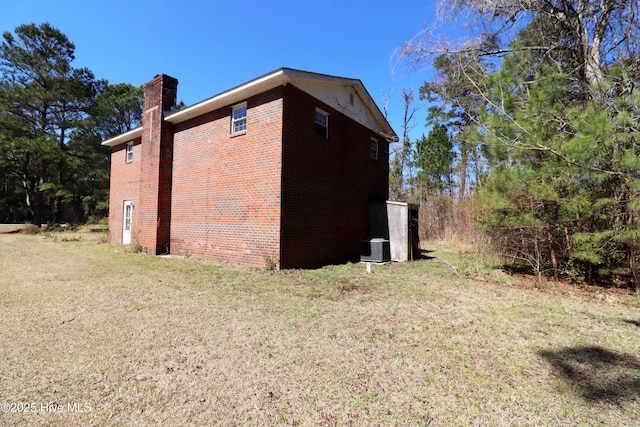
[145, 340]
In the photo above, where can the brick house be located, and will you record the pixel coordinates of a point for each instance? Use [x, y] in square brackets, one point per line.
[277, 171]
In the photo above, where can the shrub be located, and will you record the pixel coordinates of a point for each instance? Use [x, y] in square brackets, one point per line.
[32, 229]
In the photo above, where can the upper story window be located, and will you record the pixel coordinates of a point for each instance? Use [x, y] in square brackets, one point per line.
[374, 149]
[239, 119]
[128, 158]
[322, 123]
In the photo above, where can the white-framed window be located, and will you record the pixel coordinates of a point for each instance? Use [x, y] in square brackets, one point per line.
[128, 158]
[239, 119]
[374, 149]
[322, 123]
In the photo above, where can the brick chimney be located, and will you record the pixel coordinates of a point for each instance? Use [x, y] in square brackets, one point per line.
[157, 161]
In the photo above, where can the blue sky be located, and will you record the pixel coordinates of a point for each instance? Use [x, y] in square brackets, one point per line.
[211, 46]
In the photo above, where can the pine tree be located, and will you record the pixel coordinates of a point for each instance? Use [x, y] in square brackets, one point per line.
[434, 158]
[564, 175]
[52, 119]
[44, 99]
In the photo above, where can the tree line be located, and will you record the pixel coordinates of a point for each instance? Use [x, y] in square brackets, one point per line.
[536, 117]
[53, 117]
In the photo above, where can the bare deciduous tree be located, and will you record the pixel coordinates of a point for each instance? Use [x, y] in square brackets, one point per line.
[402, 155]
[597, 32]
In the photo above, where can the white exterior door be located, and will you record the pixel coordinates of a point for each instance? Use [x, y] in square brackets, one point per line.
[126, 222]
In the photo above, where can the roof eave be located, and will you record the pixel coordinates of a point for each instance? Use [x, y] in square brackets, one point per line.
[236, 94]
[258, 85]
[385, 130]
[125, 137]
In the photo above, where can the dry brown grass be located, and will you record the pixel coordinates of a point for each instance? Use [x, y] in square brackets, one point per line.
[144, 340]
[12, 228]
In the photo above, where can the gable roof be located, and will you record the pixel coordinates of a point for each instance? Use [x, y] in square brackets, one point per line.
[343, 94]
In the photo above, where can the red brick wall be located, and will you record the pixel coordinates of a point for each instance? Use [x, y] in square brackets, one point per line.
[278, 193]
[326, 184]
[226, 189]
[124, 185]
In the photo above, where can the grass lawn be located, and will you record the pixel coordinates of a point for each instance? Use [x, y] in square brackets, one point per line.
[93, 335]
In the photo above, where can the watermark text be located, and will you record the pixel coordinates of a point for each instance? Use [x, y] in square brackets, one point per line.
[44, 407]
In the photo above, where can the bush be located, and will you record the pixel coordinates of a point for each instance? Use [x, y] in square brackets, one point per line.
[31, 229]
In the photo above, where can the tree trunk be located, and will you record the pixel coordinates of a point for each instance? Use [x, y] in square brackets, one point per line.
[591, 30]
[38, 204]
[552, 252]
[462, 171]
[37, 208]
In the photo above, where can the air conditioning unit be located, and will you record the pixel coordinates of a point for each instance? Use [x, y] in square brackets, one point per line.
[375, 250]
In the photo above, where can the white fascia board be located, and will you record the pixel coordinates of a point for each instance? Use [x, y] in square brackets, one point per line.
[230, 96]
[125, 137]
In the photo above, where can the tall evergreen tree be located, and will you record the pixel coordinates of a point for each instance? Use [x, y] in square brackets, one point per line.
[43, 100]
[434, 158]
[52, 119]
[117, 109]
